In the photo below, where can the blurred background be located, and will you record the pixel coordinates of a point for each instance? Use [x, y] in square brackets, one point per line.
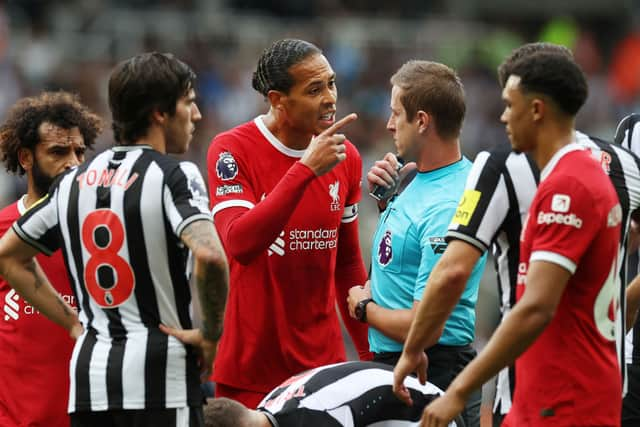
[73, 45]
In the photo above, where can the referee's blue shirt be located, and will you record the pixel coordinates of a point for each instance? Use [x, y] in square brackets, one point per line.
[409, 241]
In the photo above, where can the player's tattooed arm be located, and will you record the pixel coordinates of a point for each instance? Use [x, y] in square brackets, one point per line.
[211, 274]
[23, 273]
[38, 279]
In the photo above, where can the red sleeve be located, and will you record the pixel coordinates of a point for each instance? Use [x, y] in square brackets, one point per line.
[350, 272]
[265, 220]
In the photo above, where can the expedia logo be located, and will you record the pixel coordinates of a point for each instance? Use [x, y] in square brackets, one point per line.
[558, 218]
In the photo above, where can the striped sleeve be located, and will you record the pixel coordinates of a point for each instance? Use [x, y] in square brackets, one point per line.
[628, 134]
[484, 203]
[39, 225]
[185, 197]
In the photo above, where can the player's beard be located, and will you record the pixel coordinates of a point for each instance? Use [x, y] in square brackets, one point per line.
[41, 180]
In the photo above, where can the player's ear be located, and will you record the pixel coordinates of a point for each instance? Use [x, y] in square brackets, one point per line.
[158, 117]
[538, 109]
[276, 99]
[424, 119]
[26, 158]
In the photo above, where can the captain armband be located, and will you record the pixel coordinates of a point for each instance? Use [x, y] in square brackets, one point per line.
[350, 213]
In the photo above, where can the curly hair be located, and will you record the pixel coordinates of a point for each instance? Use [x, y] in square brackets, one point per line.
[63, 109]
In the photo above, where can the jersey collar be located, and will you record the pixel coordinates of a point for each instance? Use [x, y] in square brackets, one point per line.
[131, 147]
[270, 417]
[21, 206]
[275, 141]
[573, 146]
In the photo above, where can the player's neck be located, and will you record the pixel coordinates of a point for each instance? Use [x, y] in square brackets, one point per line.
[154, 138]
[289, 137]
[550, 142]
[30, 199]
[259, 419]
[32, 195]
[438, 153]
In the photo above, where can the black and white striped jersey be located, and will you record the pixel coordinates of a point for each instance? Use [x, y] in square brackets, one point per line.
[495, 203]
[628, 135]
[118, 220]
[354, 394]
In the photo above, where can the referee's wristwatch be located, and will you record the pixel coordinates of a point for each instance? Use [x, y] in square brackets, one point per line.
[361, 309]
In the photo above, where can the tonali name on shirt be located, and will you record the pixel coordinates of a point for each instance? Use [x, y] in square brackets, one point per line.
[107, 178]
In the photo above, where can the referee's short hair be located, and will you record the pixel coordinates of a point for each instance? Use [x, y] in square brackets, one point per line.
[435, 89]
[143, 84]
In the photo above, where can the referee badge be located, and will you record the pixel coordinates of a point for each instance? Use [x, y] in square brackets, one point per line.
[226, 166]
[385, 250]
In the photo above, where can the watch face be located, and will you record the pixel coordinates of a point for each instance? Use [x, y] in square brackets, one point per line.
[358, 311]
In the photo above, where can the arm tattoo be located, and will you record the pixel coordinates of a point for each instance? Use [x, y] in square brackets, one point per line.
[199, 234]
[65, 308]
[212, 277]
[212, 286]
[31, 268]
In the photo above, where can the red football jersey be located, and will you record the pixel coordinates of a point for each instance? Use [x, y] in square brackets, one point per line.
[570, 376]
[34, 351]
[280, 317]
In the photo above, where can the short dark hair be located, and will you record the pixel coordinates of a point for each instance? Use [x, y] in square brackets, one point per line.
[223, 412]
[504, 69]
[21, 128]
[142, 84]
[272, 72]
[435, 89]
[555, 76]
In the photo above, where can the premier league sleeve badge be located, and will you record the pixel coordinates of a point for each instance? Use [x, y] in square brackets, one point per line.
[226, 166]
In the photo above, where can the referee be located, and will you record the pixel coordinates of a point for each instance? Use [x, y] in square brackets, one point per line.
[125, 222]
[499, 190]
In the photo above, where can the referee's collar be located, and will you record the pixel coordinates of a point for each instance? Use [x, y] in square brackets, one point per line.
[270, 417]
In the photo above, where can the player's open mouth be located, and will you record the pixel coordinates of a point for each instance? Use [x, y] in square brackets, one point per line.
[328, 118]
